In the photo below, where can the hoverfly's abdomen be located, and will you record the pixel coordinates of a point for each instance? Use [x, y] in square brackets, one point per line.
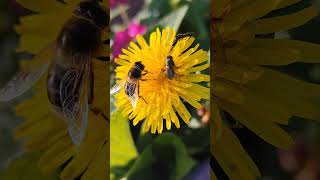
[130, 89]
[170, 73]
[79, 36]
[53, 85]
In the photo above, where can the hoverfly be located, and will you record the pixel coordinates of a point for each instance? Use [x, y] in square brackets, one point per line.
[131, 85]
[70, 77]
[170, 66]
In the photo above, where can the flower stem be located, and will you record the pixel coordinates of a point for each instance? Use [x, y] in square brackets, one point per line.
[124, 15]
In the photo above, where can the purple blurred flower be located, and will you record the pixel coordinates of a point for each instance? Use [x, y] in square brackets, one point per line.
[123, 38]
[114, 3]
[202, 172]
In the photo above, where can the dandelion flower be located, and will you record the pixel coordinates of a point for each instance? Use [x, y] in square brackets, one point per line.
[42, 128]
[161, 98]
[258, 97]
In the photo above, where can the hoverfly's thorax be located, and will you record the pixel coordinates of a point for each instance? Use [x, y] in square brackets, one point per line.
[139, 65]
[169, 62]
[135, 73]
[79, 36]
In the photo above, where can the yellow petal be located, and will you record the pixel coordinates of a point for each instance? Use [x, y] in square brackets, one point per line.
[41, 6]
[99, 165]
[309, 52]
[56, 155]
[97, 132]
[274, 86]
[281, 23]
[233, 158]
[216, 123]
[227, 90]
[259, 124]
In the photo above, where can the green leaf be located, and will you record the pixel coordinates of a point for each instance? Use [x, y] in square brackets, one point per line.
[26, 167]
[123, 150]
[174, 18]
[165, 158]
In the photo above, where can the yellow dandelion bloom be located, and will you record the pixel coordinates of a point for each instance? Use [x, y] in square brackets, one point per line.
[42, 129]
[258, 97]
[161, 98]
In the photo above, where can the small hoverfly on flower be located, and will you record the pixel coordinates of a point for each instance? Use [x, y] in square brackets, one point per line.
[170, 66]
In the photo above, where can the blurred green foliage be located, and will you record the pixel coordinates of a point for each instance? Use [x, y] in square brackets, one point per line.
[162, 157]
[26, 167]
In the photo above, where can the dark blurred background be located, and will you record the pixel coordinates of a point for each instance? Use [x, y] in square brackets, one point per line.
[9, 12]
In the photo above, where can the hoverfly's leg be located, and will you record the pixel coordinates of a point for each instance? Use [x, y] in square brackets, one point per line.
[180, 36]
[91, 87]
[146, 72]
[143, 99]
[99, 112]
[139, 94]
[146, 79]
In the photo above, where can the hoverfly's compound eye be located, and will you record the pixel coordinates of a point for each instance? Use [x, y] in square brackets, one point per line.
[93, 11]
[139, 65]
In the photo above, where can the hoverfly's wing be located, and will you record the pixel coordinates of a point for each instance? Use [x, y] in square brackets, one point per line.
[116, 88]
[133, 89]
[28, 76]
[74, 94]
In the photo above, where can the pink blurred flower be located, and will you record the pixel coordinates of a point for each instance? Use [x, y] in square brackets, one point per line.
[135, 29]
[123, 38]
[302, 160]
[114, 3]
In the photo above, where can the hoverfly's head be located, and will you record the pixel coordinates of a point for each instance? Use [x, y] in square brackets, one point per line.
[93, 11]
[139, 65]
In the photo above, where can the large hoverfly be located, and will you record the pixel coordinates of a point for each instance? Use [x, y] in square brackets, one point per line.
[70, 77]
[131, 85]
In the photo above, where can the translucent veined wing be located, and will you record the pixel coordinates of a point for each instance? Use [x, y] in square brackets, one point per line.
[133, 89]
[28, 76]
[116, 88]
[74, 94]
